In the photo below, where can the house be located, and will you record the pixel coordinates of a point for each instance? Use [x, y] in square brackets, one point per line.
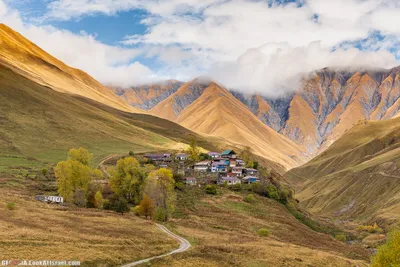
[232, 163]
[238, 171]
[158, 157]
[240, 162]
[229, 180]
[214, 155]
[181, 156]
[228, 154]
[251, 172]
[250, 179]
[219, 167]
[202, 166]
[190, 181]
[225, 160]
[231, 174]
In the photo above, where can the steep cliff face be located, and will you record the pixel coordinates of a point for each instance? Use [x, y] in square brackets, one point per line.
[327, 104]
[148, 96]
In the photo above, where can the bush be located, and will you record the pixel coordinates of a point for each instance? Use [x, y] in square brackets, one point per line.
[272, 192]
[44, 171]
[370, 228]
[161, 215]
[131, 153]
[136, 210]
[11, 206]
[263, 232]
[211, 189]
[115, 203]
[179, 186]
[249, 198]
[236, 187]
[389, 253]
[80, 198]
[341, 237]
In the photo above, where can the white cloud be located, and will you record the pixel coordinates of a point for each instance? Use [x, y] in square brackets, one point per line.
[274, 69]
[108, 64]
[206, 37]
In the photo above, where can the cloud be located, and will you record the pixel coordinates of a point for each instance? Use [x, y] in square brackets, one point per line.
[109, 64]
[188, 38]
[277, 68]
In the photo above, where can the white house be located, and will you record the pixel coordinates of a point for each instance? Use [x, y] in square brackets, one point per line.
[181, 156]
[214, 155]
[202, 166]
[190, 181]
[229, 180]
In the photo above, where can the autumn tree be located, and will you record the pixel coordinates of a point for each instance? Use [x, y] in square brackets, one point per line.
[146, 207]
[81, 155]
[193, 151]
[389, 253]
[127, 178]
[159, 186]
[71, 176]
[98, 200]
[247, 158]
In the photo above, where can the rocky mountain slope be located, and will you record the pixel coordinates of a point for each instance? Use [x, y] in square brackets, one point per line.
[357, 177]
[147, 96]
[327, 104]
[208, 108]
[27, 59]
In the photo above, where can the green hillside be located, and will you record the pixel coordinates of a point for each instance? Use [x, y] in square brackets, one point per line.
[39, 126]
[357, 177]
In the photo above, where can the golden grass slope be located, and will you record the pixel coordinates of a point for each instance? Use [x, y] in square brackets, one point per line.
[29, 60]
[357, 177]
[216, 112]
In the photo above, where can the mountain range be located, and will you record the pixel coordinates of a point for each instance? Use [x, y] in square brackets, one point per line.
[328, 103]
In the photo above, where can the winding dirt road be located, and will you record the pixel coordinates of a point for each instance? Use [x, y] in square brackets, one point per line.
[184, 245]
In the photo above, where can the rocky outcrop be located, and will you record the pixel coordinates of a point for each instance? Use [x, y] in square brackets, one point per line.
[328, 103]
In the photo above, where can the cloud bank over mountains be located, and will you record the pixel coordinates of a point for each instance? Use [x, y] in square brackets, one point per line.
[254, 46]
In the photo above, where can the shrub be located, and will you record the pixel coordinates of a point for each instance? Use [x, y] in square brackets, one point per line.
[263, 232]
[44, 171]
[284, 195]
[370, 228]
[161, 214]
[179, 186]
[115, 203]
[131, 153]
[341, 237]
[236, 187]
[249, 198]
[389, 253]
[11, 206]
[272, 192]
[80, 198]
[211, 189]
[136, 210]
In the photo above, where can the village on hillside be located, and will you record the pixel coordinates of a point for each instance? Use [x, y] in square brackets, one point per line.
[224, 168]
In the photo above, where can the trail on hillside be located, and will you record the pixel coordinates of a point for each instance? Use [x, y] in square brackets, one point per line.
[102, 166]
[184, 245]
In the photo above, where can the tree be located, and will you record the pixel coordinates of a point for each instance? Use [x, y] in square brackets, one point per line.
[80, 198]
[193, 151]
[72, 175]
[389, 253]
[81, 155]
[116, 203]
[98, 197]
[146, 207]
[272, 192]
[127, 178]
[159, 186]
[211, 189]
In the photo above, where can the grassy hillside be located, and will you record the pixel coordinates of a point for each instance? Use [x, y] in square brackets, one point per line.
[38, 231]
[31, 61]
[39, 126]
[223, 230]
[357, 177]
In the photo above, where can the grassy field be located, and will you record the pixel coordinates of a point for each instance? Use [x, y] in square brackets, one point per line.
[224, 232]
[37, 231]
[356, 178]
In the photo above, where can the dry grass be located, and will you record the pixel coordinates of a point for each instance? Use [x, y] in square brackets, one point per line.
[223, 230]
[38, 231]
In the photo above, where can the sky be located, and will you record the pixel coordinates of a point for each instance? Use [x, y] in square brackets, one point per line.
[263, 46]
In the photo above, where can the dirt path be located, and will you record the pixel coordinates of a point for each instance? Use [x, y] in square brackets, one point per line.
[184, 245]
[102, 166]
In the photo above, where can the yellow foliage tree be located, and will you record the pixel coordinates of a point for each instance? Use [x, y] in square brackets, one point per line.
[81, 155]
[146, 207]
[193, 151]
[389, 253]
[98, 198]
[159, 186]
[126, 179]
